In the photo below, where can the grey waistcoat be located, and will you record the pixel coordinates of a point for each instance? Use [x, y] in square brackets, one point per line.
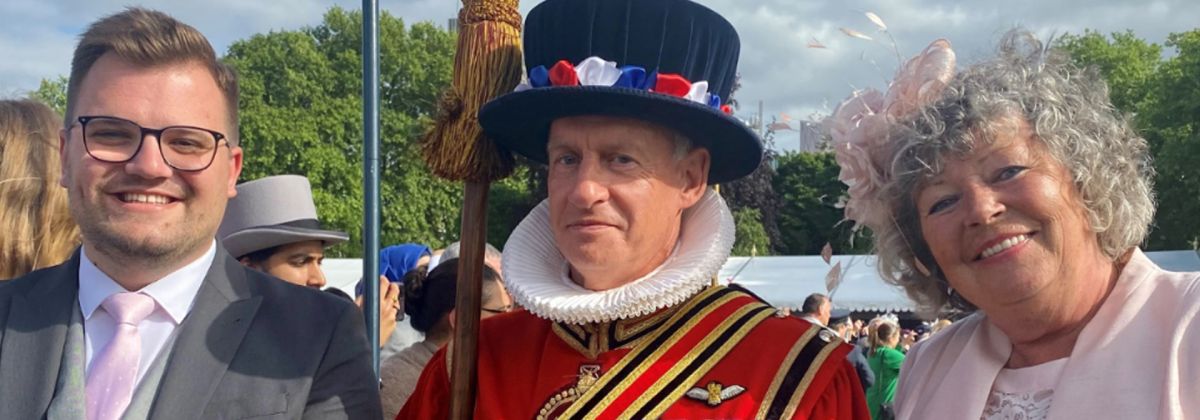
[69, 393]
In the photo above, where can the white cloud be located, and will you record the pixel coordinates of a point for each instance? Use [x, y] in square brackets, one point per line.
[36, 37]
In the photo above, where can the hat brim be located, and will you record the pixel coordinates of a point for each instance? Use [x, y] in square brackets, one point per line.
[520, 121]
[249, 240]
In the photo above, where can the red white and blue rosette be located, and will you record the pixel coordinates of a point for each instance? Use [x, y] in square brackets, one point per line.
[596, 71]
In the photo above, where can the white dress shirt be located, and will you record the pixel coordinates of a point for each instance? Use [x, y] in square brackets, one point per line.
[173, 297]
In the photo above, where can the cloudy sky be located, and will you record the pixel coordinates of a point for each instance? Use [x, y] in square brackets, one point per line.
[777, 66]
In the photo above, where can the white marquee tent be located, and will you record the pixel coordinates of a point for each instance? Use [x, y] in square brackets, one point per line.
[786, 280]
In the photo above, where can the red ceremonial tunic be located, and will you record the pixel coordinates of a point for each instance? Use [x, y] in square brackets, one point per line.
[720, 355]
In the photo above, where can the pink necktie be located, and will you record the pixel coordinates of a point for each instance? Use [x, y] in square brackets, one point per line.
[115, 368]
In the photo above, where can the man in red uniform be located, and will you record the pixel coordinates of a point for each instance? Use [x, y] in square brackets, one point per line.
[623, 101]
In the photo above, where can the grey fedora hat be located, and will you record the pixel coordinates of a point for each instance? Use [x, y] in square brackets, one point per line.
[273, 211]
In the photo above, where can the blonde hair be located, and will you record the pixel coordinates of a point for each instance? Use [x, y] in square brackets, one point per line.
[881, 334]
[939, 325]
[150, 38]
[38, 230]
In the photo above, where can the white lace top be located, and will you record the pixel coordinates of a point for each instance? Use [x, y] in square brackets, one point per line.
[1023, 394]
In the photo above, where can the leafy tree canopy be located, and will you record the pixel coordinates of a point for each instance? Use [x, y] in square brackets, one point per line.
[301, 113]
[1163, 95]
[809, 216]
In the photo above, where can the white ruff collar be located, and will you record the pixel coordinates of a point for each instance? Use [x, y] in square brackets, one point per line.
[535, 272]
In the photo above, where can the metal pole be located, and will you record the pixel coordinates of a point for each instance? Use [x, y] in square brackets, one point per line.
[761, 131]
[370, 93]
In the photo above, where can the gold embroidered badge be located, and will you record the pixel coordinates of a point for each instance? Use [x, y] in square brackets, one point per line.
[714, 393]
[588, 375]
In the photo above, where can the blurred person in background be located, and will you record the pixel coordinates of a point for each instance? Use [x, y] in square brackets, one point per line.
[272, 226]
[38, 230]
[429, 302]
[841, 322]
[491, 255]
[885, 361]
[868, 329]
[396, 262]
[816, 309]
[405, 335]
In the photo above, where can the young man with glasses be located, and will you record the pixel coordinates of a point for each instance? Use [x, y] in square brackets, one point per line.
[152, 318]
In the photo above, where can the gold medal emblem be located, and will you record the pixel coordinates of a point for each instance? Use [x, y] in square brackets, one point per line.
[714, 393]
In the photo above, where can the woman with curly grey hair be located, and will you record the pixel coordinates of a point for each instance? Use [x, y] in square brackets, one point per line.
[1015, 191]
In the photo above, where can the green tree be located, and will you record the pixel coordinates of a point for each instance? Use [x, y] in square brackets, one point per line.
[301, 113]
[1170, 120]
[750, 237]
[53, 93]
[1127, 62]
[509, 201]
[809, 190]
[1163, 95]
[755, 192]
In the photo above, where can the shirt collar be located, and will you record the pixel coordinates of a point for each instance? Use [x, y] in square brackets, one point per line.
[174, 293]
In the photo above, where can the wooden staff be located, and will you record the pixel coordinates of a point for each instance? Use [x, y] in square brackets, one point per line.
[487, 64]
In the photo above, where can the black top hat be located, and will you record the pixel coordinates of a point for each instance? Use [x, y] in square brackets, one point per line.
[644, 59]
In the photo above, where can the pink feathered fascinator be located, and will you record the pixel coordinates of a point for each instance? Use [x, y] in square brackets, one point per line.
[859, 128]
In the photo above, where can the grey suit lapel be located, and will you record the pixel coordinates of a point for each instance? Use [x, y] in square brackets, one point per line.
[70, 400]
[208, 339]
[35, 333]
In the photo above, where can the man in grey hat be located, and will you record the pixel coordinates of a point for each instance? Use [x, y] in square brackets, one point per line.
[272, 226]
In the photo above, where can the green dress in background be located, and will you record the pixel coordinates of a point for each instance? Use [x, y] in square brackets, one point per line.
[885, 363]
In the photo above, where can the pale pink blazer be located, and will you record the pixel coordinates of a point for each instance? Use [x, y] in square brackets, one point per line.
[1138, 358]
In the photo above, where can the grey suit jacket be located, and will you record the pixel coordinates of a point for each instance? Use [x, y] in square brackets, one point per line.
[252, 346]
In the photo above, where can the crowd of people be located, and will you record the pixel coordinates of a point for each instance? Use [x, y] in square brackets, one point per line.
[146, 282]
[880, 344]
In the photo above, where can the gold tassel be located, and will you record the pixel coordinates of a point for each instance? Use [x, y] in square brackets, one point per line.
[487, 64]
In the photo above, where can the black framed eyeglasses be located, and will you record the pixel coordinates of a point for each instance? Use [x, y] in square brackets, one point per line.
[118, 140]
